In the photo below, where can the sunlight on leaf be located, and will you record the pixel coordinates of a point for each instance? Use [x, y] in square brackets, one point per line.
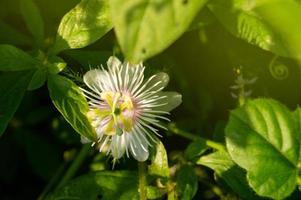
[262, 138]
[83, 25]
[70, 101]
[145, 28]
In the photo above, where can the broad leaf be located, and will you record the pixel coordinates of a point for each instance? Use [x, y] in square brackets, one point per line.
[14, 59]
[33, 19]
[159, 162]
[105, 185]
[12, 89]
[83, 25]
[244, 20]
[70, 101]
[145, 28]
[234, 176]
[262, 137]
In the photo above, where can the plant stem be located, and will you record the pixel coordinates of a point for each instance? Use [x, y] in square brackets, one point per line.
[77, 162]
[210, 143]
[142, 180]
[52, 181]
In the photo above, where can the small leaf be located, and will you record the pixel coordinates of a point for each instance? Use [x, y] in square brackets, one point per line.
[234, 176]
[33, 19]
[195, 149]
[145, 28]
[105, 185]
[70, 101]
[38, 79]
[262, 137]
[12, 89]
[14, 59]
[159, 162]
[83, 25]
[56, 64]
[187, 182]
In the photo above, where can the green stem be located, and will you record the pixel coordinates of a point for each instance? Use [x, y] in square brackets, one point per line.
[142, 180]
[79, 159]
[52, 181]
[210, 143]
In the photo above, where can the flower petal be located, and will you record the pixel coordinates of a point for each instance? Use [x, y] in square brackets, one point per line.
[94, 79]
[113, 62]
[118, 146]
[136, 149]
[158, 81]
[172, 100]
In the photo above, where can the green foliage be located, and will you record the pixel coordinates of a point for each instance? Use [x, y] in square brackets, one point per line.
[12, 89]
[262, 137]
[38, 79]
[266, 24]
[70, 101]
[105, 185]
[146, 28]
[14, 59]
[187, 182]
[159, 162]
[33, 19]
[195, 149]
[198, 43]
[83, 25]
[234, 176]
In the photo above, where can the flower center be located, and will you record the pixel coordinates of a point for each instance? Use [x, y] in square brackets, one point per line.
[116, 114]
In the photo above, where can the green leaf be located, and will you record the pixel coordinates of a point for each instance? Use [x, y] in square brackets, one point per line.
[38, 79]
[70, 101]
[234, 176]
[83, 25]
[244, 20]
[11, 36]
[12, 89]
[153, 192]
[187, 182]
[145, 28]
[159, 162]
[262, 137]
[14, 59]
[33, 19]
[105, 185]
[283, 16]
[195, 149]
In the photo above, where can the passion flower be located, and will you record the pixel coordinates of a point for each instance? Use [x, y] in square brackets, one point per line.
[126, 108]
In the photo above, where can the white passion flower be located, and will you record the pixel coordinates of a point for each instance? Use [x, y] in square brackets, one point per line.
[125, 109]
